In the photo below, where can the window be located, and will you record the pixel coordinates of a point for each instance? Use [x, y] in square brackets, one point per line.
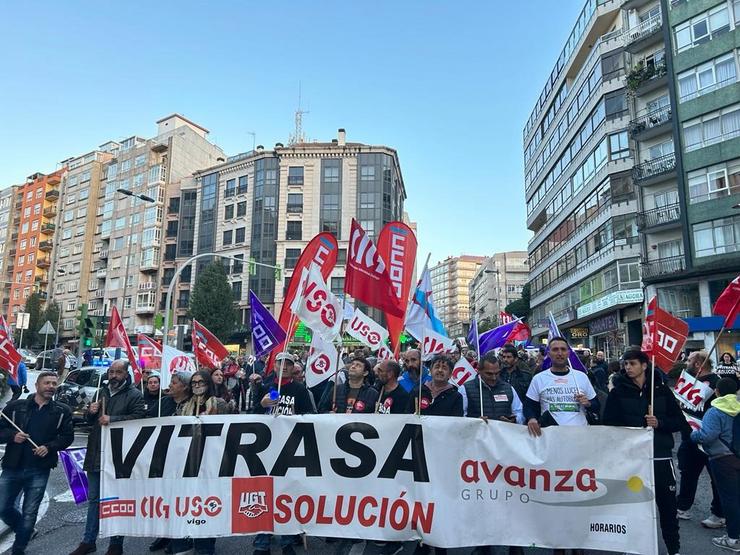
[291, 258]
[714, 182]
[236, 288]
[227, 238]
[238, 267]
[170, 252]
[295, 203]
[82, 212]
[77, 248]
[228, 212]
[37, 209]
[702, 28]
[712, 128]
[240, 235]
[71, 199]
[614, 104]
[140, 160]
[71, 306]
[295, 175]
[707, 77]
[337, 285]
[83, 194]
[661, 149]
[125, 166]
[230, 188]
[242, 185]
[21, 260]
[719, 236]
[619, 146]
[67, 233]
[241, 209]
[35, 225]
[294, 231]
[31, 258]
[174, 206]
[72, 287]
[69, 215]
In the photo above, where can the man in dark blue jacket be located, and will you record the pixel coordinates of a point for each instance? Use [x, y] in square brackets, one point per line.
[31, 454]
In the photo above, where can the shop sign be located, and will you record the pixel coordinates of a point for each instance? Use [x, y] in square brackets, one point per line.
[616, 298]
[578, 333]
[607, 323]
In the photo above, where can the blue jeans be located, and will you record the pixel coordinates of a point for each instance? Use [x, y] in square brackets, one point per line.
[92, 525]
[32, 482]
[262, 541]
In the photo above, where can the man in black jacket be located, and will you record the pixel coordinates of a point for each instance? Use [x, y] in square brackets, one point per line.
[354, 396]
[438, 397]
[46, 423]
[511, 372]
[628, 404]
[117, 402]
[500, 400]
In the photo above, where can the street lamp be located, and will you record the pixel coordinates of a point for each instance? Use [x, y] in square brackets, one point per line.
[145, 198]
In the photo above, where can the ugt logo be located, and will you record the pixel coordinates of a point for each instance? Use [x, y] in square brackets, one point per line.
[252, 505]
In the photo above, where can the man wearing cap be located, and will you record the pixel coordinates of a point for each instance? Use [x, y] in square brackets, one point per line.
[628, 405]
[293, 398]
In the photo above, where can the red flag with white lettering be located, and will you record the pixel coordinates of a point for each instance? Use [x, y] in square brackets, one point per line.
[435, 344]
[150, 352]
[366, 277]
[9, 357]
[117, 337]
[664, 336]
[209, 351]
[728, 303]
[321, 250]
[505, 317]
[397, 246]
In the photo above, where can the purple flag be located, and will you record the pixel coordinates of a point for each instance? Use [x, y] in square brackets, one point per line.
[497, 337]
[72, 460]
[575, 362]
[266, 332]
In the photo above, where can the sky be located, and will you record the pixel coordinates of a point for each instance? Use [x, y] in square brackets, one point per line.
[449, 85]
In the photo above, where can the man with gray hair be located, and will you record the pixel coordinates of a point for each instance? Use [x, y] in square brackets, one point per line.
[117, 401]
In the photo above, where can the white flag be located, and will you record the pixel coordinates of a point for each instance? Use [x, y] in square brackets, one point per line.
[173, 361]
[691, 393]
[366, 330]
[322, 361]
[384, 353]
[435, 344]
[462, 372]
[317, 306]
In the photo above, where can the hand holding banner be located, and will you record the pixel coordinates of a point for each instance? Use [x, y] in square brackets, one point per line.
[366, 330]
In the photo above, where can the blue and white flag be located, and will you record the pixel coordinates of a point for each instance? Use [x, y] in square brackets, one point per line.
[266, 332]
[573, 359]
[421, 313]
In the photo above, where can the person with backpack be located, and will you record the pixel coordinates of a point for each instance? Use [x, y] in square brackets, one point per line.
[719, 435]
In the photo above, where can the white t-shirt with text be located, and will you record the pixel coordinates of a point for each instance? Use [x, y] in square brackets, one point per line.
[557, 394]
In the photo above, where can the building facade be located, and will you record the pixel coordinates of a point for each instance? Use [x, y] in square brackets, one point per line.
[36, 205]
[266, 205]
[450, 286]
[7, 248]
[498, 281]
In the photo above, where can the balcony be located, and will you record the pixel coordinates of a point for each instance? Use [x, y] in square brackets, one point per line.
[14, 237]
[146, 308]
[42, 279]
[655, 269]
[52, 194]
[147, 286]
[103, 254]
[661, 216]
[43, 263]
[48, 229]
[50, 212]
[655, 170]
[149, 265]
[640, 36]
[99, 294]
[102, 273]
[46, 246]
[645, 78]
[53, 179]
[651, 124]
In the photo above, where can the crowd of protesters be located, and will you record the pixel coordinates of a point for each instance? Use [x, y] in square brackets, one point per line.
[512, 387]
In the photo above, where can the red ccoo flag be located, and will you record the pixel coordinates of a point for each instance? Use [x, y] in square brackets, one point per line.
[728, 303]
[150, 352]
[209, 351]
[664, 336]
[397, 245]
[10, 359]
[117, 337]
[366, 277]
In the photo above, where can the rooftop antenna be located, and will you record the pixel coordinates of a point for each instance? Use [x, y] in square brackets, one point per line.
[297, 136]
[254, 139]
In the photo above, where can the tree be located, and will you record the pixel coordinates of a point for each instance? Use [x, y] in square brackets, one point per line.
[31, 335]
[520, 307]
[212, 301]
[51, 314]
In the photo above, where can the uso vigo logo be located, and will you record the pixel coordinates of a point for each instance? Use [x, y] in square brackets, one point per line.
[252, 505]
[321, 364]
[315, 303]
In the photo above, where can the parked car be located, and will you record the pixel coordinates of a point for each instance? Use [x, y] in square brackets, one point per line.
[77, 389]
[45, 361]
[28, 357]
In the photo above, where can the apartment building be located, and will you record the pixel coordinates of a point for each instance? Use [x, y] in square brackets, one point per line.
[73, 258]
[267, 204]
[7, 248]
[128, 237]
[450, 285]
[498, 281]
[36, 205]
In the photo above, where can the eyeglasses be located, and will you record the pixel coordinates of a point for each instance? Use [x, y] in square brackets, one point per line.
[196, 382]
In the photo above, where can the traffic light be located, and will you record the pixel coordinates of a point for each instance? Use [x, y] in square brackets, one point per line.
[82, 328]
[278, 273]
[252, 266]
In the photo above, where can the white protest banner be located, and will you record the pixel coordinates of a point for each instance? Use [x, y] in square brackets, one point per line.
[462, 372]
[366, 330]
[317, 306]
[435, 344]
[384, 353]
[690, 392]
[322, 361]
[382, 477]
[173, 360]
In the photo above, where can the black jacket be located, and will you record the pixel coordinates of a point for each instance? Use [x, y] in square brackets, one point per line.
[447, 403]
[367, 397]
[151, 405]
[627, 405]
[127, 404]
[518, 379]
[58, 432]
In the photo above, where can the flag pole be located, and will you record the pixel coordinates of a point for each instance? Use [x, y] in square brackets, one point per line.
[652, 366]
[477, 350]
[339, 351]
[289, 335]
[421, 377]
[17, 428]
[397, 349]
